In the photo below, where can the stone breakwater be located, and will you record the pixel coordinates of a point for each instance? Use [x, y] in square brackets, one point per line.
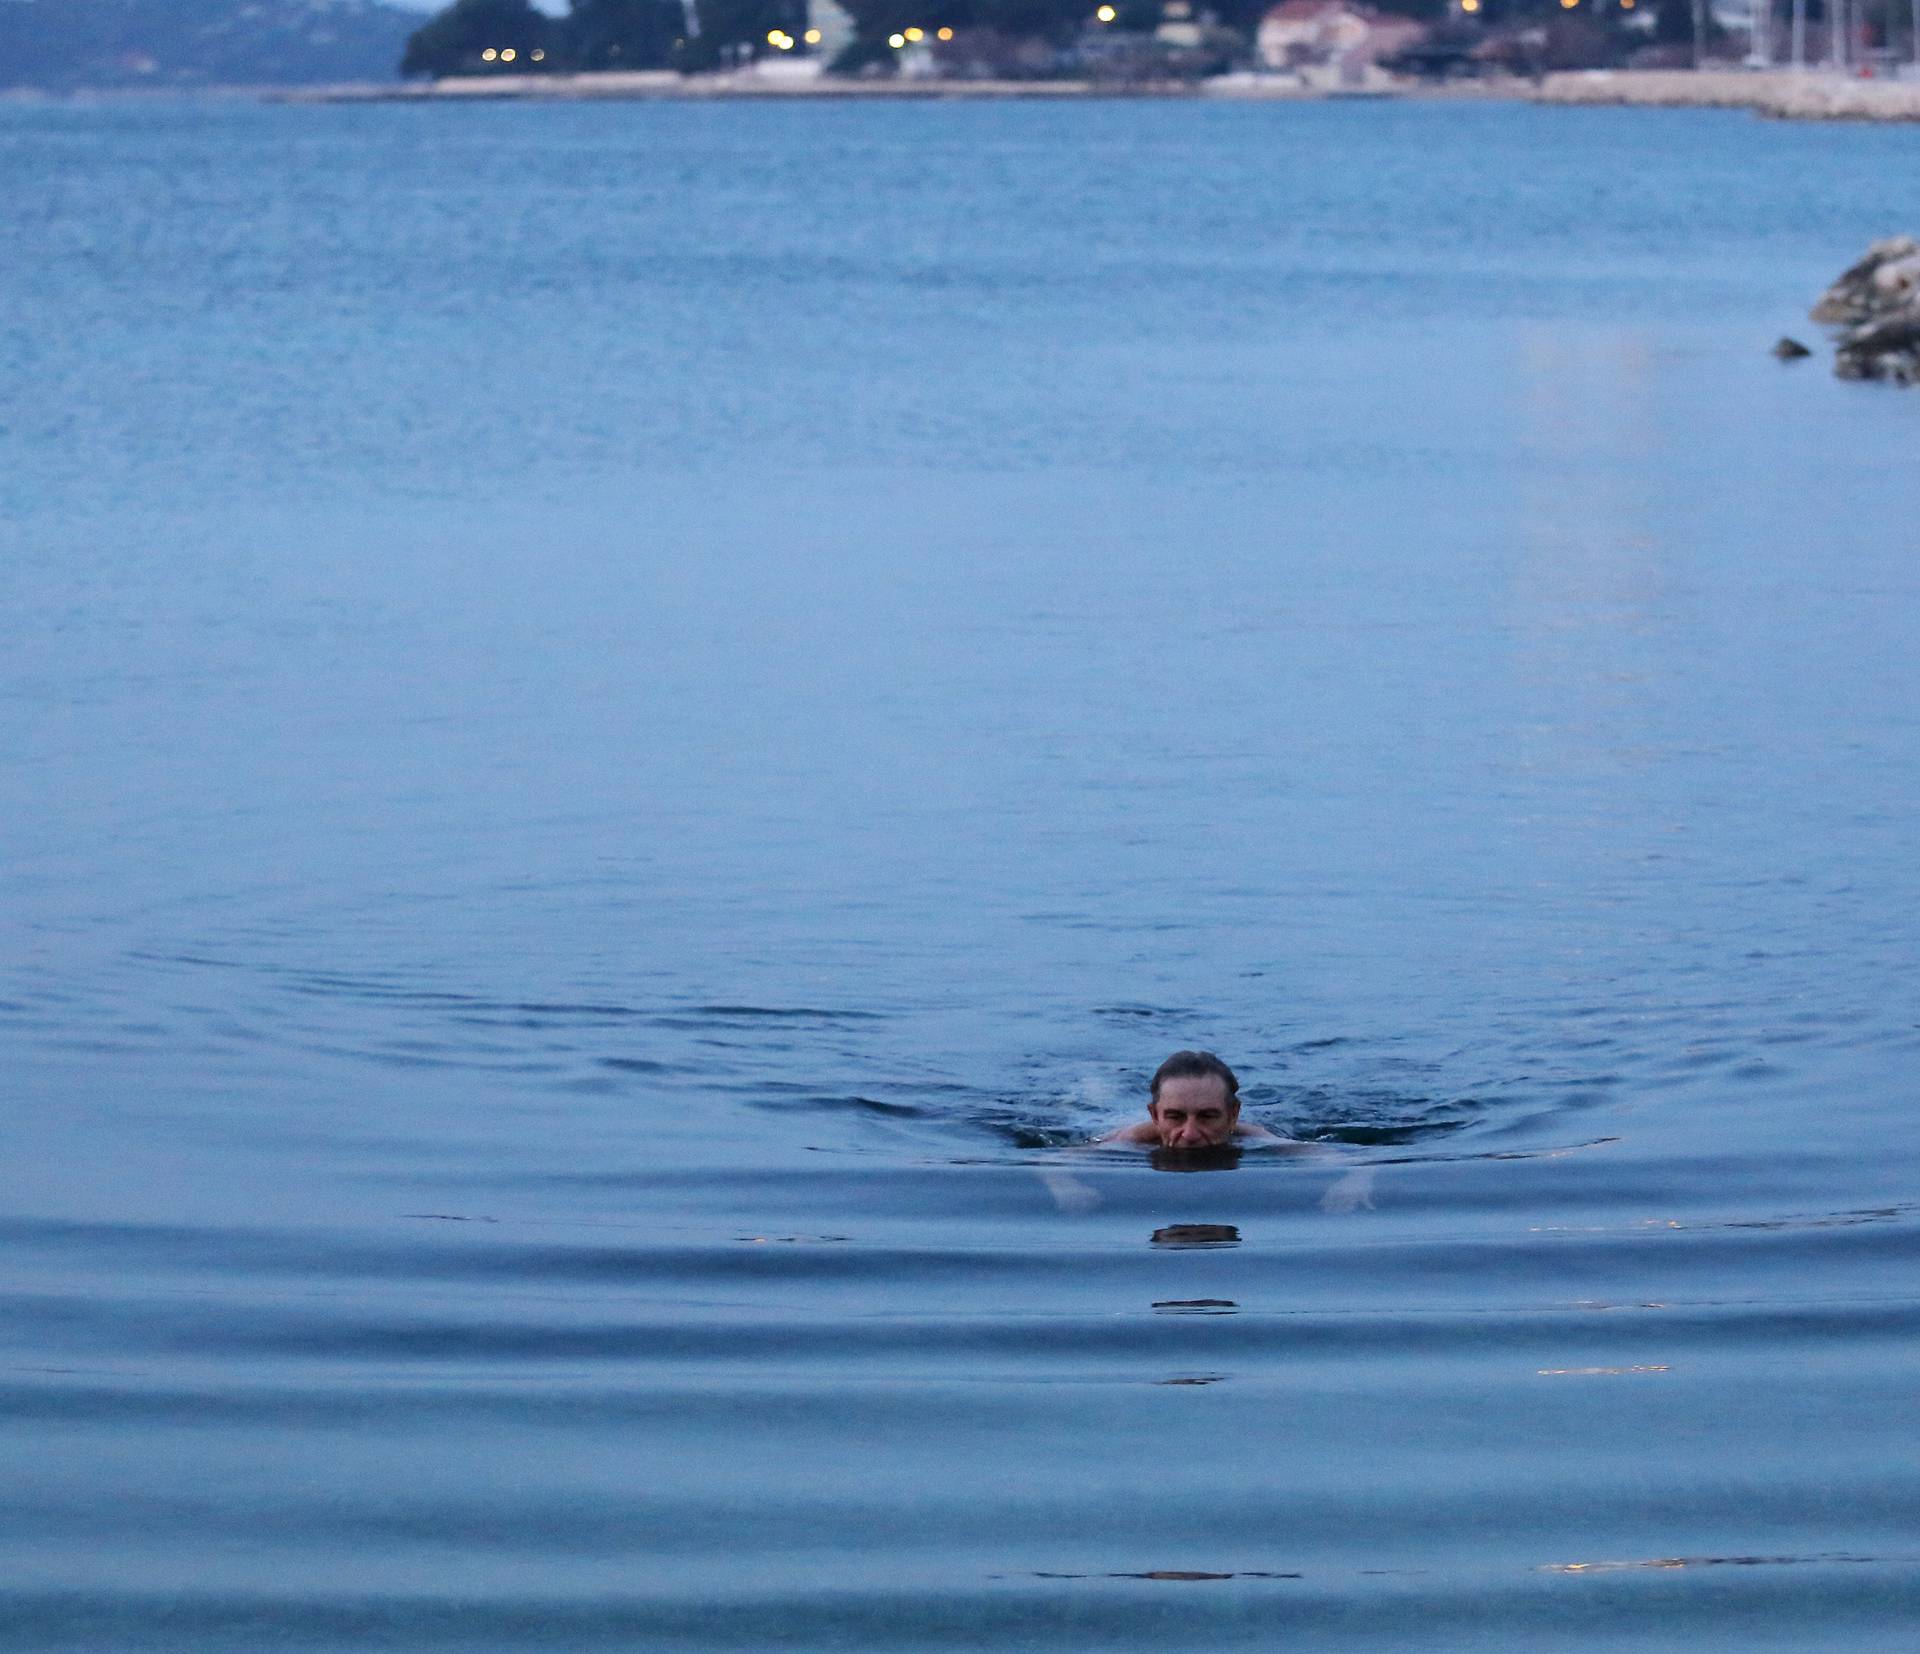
[1783, 94]
[1875, 305]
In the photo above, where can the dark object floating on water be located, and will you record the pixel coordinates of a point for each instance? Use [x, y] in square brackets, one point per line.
[1197, 1234]
[1197, 1378]
[1174, 1574]
[1790, 350]
[1196, 1306]
[1876, 307]
[1171, 1573]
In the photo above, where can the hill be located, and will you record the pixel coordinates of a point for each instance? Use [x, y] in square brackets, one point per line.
[65, 45]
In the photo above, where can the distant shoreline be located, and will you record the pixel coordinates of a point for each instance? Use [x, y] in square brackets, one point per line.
[1778, 94]
[1781, 94]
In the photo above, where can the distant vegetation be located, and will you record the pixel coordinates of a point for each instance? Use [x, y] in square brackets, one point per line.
[704, 34]
[1013, 39]
[476, 37]
[64, 45]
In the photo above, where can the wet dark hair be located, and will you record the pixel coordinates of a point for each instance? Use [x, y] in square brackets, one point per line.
[1194, 1065]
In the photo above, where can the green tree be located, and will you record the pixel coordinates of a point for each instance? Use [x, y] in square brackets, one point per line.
[743, 25]
[625, 34]
[454, 41]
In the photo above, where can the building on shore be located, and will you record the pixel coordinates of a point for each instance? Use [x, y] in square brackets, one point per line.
[1342, 36]
[1180, 26]
[834, 25]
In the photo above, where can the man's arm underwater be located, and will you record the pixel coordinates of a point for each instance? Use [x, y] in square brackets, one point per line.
[1352, 1191]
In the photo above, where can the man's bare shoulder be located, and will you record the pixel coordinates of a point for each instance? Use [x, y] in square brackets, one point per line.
[1141, 1131]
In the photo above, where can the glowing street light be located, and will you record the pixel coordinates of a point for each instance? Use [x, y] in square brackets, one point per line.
[812, 37]
[488, 55]
[916, 35]
[896, 41]
[1106, 14]
[943, 34]
[508, 55]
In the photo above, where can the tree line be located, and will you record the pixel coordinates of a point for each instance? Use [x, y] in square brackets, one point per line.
[477, 36]
[473, 37]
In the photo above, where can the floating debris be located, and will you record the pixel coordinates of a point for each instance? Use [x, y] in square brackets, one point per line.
[1177, 1574]
[1603, 1372]
[1197, 1234]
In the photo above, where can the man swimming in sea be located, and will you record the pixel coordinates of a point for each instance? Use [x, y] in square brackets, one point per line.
[1194, 1103]
[1193, 1119]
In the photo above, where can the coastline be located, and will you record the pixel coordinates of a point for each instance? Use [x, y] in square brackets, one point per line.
[1781, 94]
[1774, 94]
[665, 84]
[1777, 94]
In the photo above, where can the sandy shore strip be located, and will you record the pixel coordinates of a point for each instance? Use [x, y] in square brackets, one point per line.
[665, 83]
[1783, 94]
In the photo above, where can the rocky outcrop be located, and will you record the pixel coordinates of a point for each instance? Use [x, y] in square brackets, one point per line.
[1886, 276]
[1875, 305]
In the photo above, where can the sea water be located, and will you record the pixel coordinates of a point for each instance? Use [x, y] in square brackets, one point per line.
[623, 723]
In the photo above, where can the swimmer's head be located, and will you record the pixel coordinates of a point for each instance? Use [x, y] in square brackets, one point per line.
[1196, 1101]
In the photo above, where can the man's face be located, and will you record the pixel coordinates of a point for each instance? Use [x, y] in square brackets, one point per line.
[1194, 1112]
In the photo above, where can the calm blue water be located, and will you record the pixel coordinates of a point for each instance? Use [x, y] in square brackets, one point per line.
[619, 720]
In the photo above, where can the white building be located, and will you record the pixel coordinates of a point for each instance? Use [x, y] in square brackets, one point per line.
[835, 26]
[1304, 34]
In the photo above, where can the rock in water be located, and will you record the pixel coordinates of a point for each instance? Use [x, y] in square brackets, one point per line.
[1876, 307]
[1888, 348]
[1790, 350]
[1859, 293]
